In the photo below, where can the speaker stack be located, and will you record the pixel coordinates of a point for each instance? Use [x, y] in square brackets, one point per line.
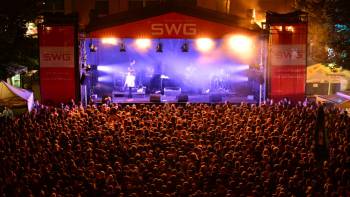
[182, 98]
[154, 98]
[215, 98]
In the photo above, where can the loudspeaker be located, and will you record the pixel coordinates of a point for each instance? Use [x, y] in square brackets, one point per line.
[215, 98]
[182, 98]
[82, 79]
[154, 98]
[118, 94]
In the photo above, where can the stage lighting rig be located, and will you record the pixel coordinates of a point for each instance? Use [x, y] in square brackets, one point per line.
[159, 48]
[241, 44]
[184, 47]
[122, 47]
[143, 43]
[93, 48]
[88, 67]
[205, 44]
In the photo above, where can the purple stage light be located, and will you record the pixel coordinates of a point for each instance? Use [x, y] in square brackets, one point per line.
[104, 68]
[193, 71]
[239, 78]
[241, 67]
[105, 79]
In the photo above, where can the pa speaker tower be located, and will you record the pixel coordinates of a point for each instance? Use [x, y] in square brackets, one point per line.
[154, 98]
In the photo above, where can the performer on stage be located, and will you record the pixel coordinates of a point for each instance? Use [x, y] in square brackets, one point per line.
[130, 78]
[131, 68]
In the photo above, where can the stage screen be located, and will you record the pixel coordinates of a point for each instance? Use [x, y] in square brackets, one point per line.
[192, 66]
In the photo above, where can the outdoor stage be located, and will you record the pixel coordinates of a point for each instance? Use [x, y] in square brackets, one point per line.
[213, 67]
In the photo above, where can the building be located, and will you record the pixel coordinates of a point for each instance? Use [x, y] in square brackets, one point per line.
[91, 9]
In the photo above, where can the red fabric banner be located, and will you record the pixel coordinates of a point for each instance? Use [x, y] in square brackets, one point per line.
[57, 85]
[171, 25]
[51, 36]
[57, 68]
[288, 61]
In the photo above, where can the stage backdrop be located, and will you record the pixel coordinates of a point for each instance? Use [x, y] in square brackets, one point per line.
[170, 25]
[288, 61]
[57, 70]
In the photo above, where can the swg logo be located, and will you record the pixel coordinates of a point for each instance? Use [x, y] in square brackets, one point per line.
[57, 57]
[160, 29]
[290, 54]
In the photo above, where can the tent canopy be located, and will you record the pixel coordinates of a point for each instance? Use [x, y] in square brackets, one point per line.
[15, 97]
[12, 69]
[319, 73]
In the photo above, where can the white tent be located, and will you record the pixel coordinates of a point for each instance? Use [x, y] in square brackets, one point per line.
[319, 73]
[15, 97]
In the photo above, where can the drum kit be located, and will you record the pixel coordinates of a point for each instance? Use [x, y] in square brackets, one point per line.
[220, 83]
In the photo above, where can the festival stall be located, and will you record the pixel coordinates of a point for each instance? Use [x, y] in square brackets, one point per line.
[13, 97]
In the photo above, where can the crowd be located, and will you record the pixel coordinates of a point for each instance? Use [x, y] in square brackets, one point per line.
[7, 113]
[174, 150]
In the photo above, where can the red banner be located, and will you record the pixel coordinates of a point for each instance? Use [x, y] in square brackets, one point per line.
[171, 25]
[57, 67]
[288, 62]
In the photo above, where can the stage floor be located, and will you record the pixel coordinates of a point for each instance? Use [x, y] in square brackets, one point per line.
[203, 98]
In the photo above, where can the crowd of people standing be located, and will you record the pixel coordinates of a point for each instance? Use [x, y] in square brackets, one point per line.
[175, 150]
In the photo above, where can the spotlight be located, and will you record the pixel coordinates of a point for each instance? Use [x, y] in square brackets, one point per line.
[88, 67]
[122, 47]
[241, 44]
[93, 48]
[205, 44]
[159, 48]
[184, 47]
[109, 41]
[143, 43]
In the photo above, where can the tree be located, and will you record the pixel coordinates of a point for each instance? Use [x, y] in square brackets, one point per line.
[329, 30]
[339, 14]
[15, 46]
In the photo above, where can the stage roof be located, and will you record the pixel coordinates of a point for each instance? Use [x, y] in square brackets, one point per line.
[170, 21]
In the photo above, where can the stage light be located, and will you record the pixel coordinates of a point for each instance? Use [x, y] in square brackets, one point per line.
[238, 78]
[240, 43]
[104, 79]
[143, 43]
[205, 44]
[290, 28]
[159, 48]
[109, 41]
[184, 47]
[88, 67]
[279, 28]
[104, 68]
[122, 47]
[93, 48]
[239, 68]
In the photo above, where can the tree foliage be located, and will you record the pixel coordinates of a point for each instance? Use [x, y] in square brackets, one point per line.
[15, 46]
[329, 30]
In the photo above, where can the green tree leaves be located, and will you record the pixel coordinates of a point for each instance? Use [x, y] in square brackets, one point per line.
[329, 30]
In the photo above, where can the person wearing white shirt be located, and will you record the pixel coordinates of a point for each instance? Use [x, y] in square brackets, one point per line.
[130, 82]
